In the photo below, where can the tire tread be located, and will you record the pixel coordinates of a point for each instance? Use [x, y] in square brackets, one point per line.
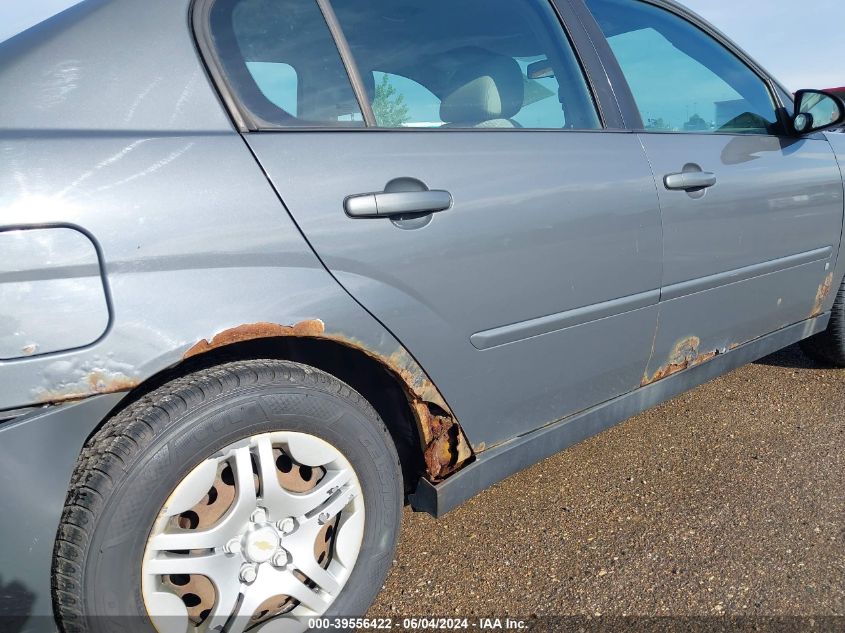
[109, 453]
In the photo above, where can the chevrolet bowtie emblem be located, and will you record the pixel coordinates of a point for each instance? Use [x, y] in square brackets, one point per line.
[264, 545]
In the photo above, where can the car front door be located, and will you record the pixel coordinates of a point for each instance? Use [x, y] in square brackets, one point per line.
[751, 216]
[463, 188]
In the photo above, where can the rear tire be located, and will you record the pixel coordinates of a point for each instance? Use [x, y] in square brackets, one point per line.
[828, 347]
[123, 488]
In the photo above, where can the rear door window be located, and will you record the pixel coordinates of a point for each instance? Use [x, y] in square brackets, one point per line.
[401, 102]
[469, 64]
[494, 64]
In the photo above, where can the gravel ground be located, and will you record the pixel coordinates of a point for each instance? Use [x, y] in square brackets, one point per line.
[727, 500]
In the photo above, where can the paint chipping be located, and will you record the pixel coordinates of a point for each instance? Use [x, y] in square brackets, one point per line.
[96, 383]
[68, 379]
[821, 295]
[684, 355]
[252, 331]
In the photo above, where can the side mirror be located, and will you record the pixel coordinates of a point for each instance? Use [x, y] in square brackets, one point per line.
[817, 110]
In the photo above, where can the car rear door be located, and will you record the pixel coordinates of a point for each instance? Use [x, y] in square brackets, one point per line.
[751, 216]
[463, 187]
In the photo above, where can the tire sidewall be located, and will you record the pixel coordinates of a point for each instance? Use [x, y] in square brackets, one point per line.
[112, 577]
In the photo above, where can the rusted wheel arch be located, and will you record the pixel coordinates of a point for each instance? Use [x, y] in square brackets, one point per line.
[441, 445]
[444, 446]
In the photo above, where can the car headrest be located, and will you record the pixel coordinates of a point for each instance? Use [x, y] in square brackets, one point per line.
[488, 86]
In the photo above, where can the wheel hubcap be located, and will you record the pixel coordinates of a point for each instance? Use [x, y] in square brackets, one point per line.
[260, 544]
[268, 528]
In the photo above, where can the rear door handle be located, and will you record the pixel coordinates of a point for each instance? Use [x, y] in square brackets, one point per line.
[391, 204]
[690, 180]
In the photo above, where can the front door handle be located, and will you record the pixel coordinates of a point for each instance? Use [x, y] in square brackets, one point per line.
[690, 180]
[401, 197]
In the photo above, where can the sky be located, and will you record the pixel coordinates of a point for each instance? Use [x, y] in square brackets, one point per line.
[801, 44]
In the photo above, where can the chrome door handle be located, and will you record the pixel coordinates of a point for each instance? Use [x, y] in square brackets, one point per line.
[689, 180]
[385, 205]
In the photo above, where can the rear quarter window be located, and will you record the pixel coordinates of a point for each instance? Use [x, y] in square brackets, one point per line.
[282, 63]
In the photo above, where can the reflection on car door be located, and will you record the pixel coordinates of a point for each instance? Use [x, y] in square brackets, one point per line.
[534, 294]
[751, 216]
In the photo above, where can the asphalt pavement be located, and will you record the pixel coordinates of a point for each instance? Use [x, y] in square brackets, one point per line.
[728, 500]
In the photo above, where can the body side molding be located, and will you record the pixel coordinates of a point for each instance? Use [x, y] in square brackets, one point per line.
[554, 322]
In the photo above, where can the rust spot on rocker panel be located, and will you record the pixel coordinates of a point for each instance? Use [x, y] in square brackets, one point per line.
[821, 295]
[684, 355]
[446, 447]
